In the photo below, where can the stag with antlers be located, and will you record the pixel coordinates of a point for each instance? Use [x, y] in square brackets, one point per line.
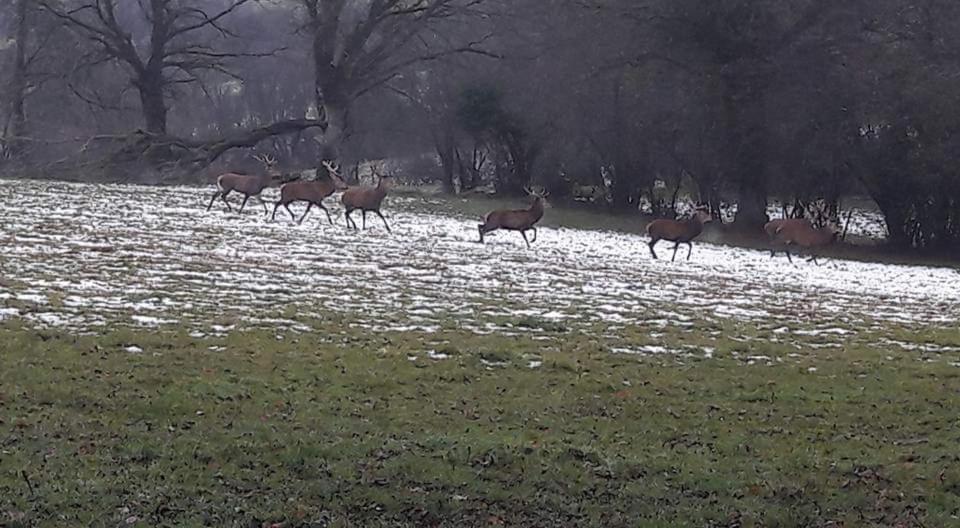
[312, 192]
[366, 199]
[250, 186]
[521, 220]
[802, 232]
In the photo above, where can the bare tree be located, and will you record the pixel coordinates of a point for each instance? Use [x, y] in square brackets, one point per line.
[359, 46]
[175, 50]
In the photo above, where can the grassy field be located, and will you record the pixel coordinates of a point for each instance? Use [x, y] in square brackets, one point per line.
[354, 428]
[172, 367]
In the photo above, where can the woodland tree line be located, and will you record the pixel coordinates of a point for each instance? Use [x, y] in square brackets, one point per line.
[636, 101]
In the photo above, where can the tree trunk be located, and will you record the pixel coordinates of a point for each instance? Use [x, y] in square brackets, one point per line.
[332, 108]
[152, 103]
[519, 157]
[895, 219]
[469, 174]
[331, 99]
[621, 192]
[17, 125]
[446, 150]
[743, 101]
[751, 205]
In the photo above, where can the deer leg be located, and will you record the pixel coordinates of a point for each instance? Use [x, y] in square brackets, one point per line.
[524, 234]
[347, 220]
[245, 198]
[213, 199]
[293, 217]
[676, 245]
[325, 210]
[650, 245]
[274, 215]
[813, 258]
[789, 258]
[534, 229]
[480, 229]
[223, 196]
[364, 214]
[384, 220]
[689, 250]
[309, 205]
[264, 204]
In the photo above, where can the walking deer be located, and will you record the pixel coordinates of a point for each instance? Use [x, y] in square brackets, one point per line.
[772, 227]
[678, 231]
[312, 192]
[250, 186]
[366, 199]
[806, 237]
[521, 220]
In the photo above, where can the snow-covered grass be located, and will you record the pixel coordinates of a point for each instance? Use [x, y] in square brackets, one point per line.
[82, 256]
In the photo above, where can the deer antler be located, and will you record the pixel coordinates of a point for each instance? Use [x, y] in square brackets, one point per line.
[819, 210]
[266, 159]
[539, 193]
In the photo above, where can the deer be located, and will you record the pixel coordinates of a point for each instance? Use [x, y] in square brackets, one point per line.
[806, 237]
[246, 184]
[771, 228]
[367, 199]
[779, 230]
[521, 220]
[312, 192]
[678, 231]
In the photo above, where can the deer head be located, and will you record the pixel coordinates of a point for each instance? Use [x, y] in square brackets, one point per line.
[333, 172]
[270, 165]
[383, 179]
[702, 213]
[834, 227]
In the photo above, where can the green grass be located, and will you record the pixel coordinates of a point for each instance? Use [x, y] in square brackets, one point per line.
[314, 430]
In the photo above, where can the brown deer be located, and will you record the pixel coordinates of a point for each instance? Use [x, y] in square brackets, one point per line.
[771, 228]
[678, 231]
[806, 237]
[521, 220]
[366, 199]
[250, 186]
[312, 192]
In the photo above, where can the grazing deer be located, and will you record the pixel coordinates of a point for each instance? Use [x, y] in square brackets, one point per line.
[246, 184]
[771, 228]
[806, 237]
[366, 199]
[312, 192]
[521, 220]
[678, 231]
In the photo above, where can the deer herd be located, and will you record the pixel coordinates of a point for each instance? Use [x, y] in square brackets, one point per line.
[782, 233]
